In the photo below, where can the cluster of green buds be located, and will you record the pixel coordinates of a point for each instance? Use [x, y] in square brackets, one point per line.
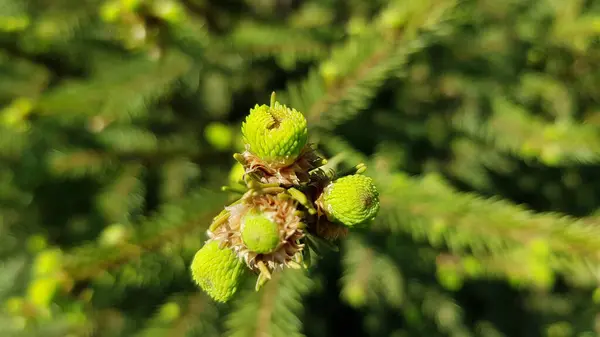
[291, 206]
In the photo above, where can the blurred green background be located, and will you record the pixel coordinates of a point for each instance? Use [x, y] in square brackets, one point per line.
[478, 119]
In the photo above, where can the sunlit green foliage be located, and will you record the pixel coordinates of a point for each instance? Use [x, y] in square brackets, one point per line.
[479, 122]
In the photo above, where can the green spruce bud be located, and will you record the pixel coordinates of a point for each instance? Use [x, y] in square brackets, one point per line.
[352, 200]
[259, 233]
[217, 271]
[276, 134]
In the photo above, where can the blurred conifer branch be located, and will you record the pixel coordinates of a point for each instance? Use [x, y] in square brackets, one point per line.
[348, 80]
[473, 161]
[116, 120]
[21, 77]
[123, 93]
[288, 45]
[370, 275]
[274, 311]
[485, 226]
[182, 316]
[172, 223]
[512, 129]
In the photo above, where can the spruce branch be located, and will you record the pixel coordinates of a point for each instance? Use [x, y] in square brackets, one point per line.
[349, 80]
[274, 311]
[172, 223]
[87, 162]
[78, 163]
[441, 309]
[122, 197]
[12, 143]
[128, 139]
[121, 94]
[182, 315]
[370, 275]
[472, 162]
[176, 174]
[287, 45]
[196, 318]
[20, 77]
[430, 210]
[524, 267]
[513, 130]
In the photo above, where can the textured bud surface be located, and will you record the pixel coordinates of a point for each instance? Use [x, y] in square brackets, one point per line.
[276, 134]
[217, 271]
[259, 233]
[352, 200]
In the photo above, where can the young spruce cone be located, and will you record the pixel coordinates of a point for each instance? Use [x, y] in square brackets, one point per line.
[264, 231]
[275, 134]
[217, 271]
[289, 207]
[351, 200]
[260, 232]
[276, 137]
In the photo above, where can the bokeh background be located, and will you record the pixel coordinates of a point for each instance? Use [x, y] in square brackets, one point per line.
[478, 119]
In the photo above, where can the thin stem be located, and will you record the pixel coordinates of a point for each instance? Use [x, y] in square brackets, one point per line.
[302, 199]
